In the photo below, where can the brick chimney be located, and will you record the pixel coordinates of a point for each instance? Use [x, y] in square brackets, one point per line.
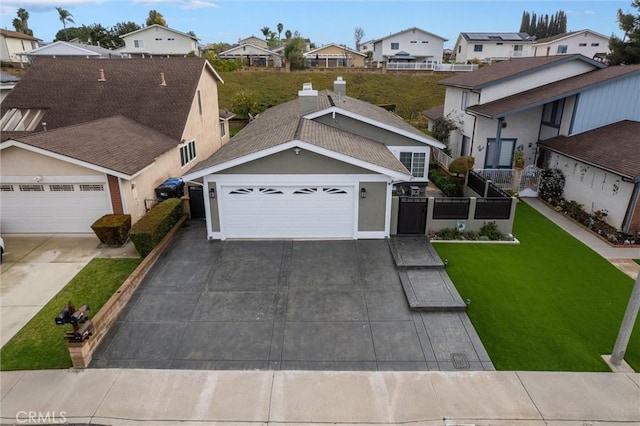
[307, 99]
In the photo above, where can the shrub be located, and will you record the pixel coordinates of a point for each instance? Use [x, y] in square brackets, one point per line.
[551, 185]
[462, 165]
[491, 231]
[147, 233]
[450, 186]
[112, 229]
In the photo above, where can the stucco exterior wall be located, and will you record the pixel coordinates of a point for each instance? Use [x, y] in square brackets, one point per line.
[16, 161]
[594, 188]
[573, 45]
[288, 162]
[454, 112]
[10, 47]
[180, 45]
[354, 60]
[367, 130]
[371, 210]
[490, 50]
[534, 79]
[425, 46]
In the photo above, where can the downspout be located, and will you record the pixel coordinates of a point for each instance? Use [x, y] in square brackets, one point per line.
[635, 196]
[496, 154]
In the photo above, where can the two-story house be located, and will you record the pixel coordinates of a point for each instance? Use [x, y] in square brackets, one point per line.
[491, 47]
[321, 166]
[520, 104]
[158, 40]
[410, 45]
[584, 42]
[83, 137]
[14, 45]
[67, 49]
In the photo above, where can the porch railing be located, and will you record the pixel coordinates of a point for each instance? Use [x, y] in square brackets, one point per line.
[503, 178]
[430, 66]
[442, 158]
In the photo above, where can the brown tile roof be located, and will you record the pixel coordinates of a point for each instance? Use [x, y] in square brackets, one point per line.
[116, 143]
[434, 113]
[70, 91]
[504, 70]
[550, 92]
[283, 123]
[16, 34]
[614, 147]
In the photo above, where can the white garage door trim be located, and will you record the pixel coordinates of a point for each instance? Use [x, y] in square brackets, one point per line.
[55, 204]
[328, 190]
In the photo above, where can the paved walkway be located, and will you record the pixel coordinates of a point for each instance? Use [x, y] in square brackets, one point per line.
[164, 397]
[621, 257]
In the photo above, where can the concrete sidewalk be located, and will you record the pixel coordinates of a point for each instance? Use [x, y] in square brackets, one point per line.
[621, 257]
[430, 398]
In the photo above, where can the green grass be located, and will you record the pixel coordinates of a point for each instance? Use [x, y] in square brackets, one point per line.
[40, 343]
[637, 261]
[550, 303]
[410, 93]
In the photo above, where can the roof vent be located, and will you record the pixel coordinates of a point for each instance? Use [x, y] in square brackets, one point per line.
[101, 78]
[163, 82]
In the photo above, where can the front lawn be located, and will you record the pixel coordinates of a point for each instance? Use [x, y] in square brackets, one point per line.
[40, 343]
[550, 303]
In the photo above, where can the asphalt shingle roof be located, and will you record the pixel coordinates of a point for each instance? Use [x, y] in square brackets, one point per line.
[614, 147]
[70, 92]
[552, 91]
[434, 113]
[116, 143]
[505, 69]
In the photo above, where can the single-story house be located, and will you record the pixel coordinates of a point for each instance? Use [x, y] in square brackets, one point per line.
[602, 171]
[253, 55]
[334, 56]
[321, 166]
[102, 138]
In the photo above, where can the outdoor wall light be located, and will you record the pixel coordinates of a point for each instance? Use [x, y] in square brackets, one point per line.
[212, 192]
[296, 150]
[363, 193]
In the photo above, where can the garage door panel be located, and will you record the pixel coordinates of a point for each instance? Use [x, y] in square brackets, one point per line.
[54, 208]
[288, 212]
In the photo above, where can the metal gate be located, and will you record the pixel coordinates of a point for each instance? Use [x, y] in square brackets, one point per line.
[412, 215]
[196, 202]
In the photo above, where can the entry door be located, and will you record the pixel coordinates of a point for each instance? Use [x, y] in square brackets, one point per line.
[412, 215]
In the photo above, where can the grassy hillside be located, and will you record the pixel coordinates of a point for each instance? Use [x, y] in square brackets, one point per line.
[410, 93]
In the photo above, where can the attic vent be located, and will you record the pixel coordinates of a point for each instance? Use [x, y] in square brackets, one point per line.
[163, 82]
[101, 78]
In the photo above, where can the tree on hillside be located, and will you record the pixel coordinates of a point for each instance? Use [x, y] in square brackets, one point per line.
[358, 35]
[155, 17]
[293, 52]
[65, 16]
[21, 23]
[280, 27]
[265, 31]
[543, 26]
[287, 34]
[122, 28]
[627, 49]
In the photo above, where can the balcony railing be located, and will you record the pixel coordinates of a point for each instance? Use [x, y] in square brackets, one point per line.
[503, 178]
[430, 66]
[441, 158]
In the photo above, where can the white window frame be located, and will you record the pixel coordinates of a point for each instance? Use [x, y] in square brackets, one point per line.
[187, 152]
[396, 44]
[425, 150]
[223, 131]
[138, 44]
[464, 101]
[477, 48]
[562, 49]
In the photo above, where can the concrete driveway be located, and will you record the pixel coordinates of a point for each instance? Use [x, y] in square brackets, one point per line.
[330, 305]
[36, 267]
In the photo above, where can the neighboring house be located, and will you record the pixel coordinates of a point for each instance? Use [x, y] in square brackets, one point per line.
[253, 55]
[602, 171]
[491, 47]
[321, 166]
[224, 117]
[366, 46]
[14, 45]
[433, 114]
[516, 103]
[65, 49]
[411, 45]
[334, 56]
[157, 40]
[102, 138]
[7, 83]
[254, 41]
[585, 42]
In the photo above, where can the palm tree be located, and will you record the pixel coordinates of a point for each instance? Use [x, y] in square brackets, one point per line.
[265, 32]
[65, 16]
[287, 34]
[280, 28]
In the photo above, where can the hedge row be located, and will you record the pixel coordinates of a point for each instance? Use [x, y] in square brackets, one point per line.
[147, 233]
[449, 185]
